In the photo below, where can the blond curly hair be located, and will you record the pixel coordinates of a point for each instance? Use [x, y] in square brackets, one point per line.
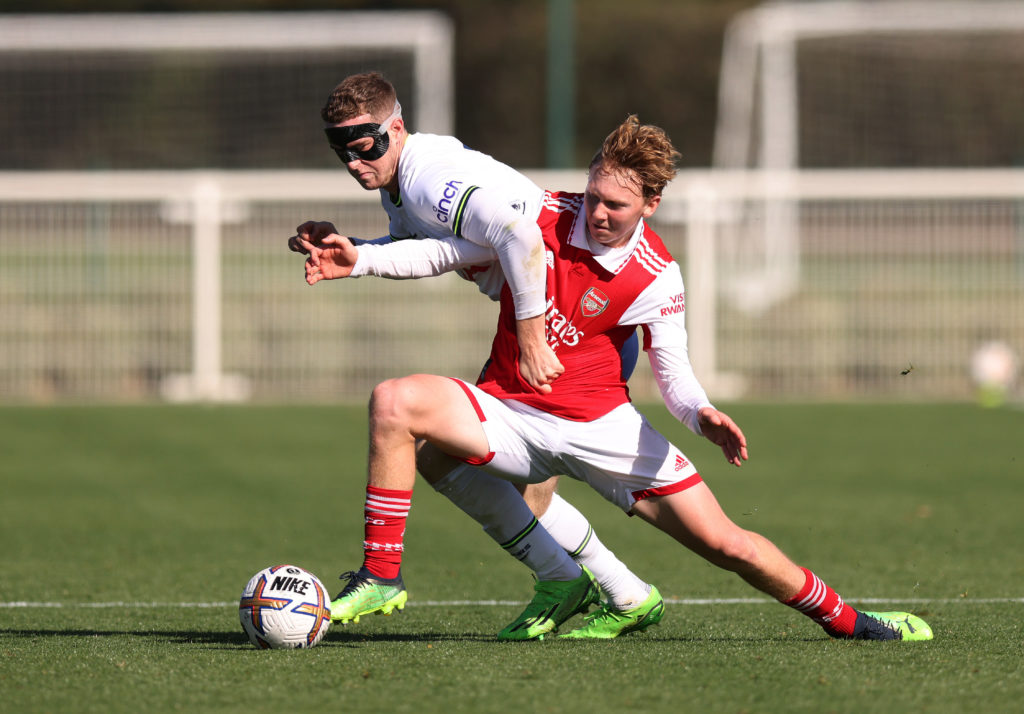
[643, 149]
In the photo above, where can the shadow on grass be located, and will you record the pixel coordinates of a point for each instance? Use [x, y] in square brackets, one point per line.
[341, 637]
[354, 638]
[178, 636]
[241, 641]
[338, 637]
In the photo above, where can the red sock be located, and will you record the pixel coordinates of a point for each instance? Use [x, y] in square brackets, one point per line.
[386, 511]
[823, 605]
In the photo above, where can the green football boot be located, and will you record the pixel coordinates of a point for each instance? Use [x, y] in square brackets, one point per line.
[892, 626]
[607, 622]
[555, 602]
[366, 593]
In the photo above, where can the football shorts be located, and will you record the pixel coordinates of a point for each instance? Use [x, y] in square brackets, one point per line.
[620, 454]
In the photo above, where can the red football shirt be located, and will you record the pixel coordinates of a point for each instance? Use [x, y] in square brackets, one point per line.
[585, 303]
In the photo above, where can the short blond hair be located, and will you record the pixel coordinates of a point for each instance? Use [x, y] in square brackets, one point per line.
[643, 149]
[359, 94]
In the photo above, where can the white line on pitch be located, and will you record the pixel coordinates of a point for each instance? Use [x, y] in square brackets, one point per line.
[510, 603]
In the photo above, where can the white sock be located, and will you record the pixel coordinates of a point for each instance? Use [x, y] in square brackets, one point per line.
[496, 505]
[574, 533]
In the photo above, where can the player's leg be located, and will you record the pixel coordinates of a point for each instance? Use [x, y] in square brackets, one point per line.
[422, 406]
[630, 463]
[401, 411]
[445, 413]
[573, 531]
[496, 504]
[694, 518]
[538, 495]
[626, 592]
[563, 587]
[631, 605]
[496, 510]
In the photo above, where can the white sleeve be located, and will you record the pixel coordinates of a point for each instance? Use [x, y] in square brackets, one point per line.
[418, 258]
[516, 240]
[660, 311]
[376, 241]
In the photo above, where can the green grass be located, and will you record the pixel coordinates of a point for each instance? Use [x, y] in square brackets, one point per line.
[919, 505]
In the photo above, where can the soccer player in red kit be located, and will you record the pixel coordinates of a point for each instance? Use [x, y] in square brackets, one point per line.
[607, 273]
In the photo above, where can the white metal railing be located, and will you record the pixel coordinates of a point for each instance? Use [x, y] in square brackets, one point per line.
[132, 285]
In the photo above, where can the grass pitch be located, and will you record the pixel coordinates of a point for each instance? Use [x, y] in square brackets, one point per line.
[128, 534]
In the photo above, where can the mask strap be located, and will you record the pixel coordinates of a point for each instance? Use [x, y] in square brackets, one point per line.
[386, 124]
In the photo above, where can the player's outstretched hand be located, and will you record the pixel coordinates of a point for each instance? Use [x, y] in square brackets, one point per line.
[309, 235]
[720, 429]
[332, 259]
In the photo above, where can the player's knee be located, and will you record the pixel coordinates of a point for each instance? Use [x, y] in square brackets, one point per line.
[389, 404]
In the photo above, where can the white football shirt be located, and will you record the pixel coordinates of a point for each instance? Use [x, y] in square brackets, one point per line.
[437, 175]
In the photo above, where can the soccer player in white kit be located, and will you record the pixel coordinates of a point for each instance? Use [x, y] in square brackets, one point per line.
[608, 273]
[434, 187]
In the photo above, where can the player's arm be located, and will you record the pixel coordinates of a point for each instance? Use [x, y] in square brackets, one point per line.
[422, 258]
[660, 312]
[337, 257]
[685, 398]
[489, 220]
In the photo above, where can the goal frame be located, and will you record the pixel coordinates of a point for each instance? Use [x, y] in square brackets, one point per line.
[766, 38]
[429, 34]
[758, 101]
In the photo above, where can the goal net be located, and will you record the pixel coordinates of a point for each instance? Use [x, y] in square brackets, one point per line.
[228, 91]
[873, 85]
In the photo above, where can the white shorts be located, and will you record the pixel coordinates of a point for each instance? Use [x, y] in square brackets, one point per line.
[620, 454]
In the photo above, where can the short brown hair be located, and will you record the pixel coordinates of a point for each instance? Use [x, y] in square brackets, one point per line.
[359, 94]
[642, 148]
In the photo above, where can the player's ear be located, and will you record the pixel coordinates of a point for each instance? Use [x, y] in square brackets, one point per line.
[652, 205]
[397, 126]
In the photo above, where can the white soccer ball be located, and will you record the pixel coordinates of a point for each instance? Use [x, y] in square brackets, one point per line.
[284, 607]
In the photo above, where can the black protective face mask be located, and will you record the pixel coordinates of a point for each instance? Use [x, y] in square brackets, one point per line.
[339, 137]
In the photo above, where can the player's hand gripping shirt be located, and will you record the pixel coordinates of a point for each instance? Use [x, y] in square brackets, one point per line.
[596, 299]
[437, 177]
